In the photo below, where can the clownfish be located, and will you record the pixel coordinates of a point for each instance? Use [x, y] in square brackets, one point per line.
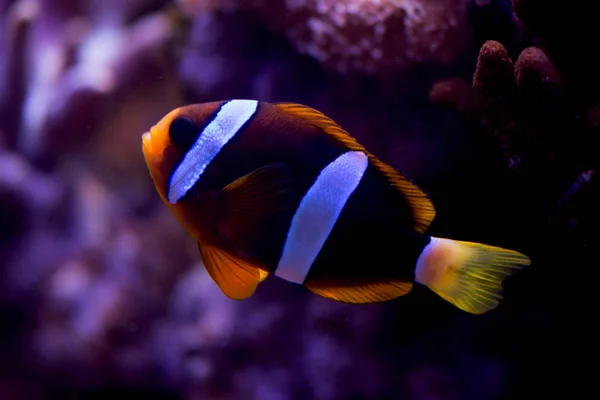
[281, 189]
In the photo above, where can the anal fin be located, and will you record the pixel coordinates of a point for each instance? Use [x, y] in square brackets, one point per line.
[361, 293]
[236, 278]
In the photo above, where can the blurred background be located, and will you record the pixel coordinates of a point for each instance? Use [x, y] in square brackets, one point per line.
[491, 106]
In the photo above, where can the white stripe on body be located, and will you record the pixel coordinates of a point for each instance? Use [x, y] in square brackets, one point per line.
[317, 214]
[228, 121]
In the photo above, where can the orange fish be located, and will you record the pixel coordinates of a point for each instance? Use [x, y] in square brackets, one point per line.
[282, 189]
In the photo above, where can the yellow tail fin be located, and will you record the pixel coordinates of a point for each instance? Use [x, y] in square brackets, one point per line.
[468, 275]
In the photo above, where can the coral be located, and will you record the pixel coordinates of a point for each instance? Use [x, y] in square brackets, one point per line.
[547, 134]
[60, 62]
[362, 35]
[457, 93]
[538, 125]
[542, 111]
[76, 221]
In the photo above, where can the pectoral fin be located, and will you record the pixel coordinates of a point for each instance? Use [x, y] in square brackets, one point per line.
[251, 204]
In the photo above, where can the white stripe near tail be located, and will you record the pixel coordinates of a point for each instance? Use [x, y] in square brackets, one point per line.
[468, 275]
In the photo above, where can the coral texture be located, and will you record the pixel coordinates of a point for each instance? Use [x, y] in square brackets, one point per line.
[61, 60]
[365, 36]
[547, 131]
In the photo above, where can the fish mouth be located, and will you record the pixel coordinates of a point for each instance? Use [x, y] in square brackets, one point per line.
[147, 144]
[147, 138]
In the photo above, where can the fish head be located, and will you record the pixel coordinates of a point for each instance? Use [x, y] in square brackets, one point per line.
[165, 146]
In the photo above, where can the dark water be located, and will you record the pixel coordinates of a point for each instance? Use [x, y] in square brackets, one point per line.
[104, 294]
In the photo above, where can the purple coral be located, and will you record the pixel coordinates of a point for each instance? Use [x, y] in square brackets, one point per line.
[363, 36]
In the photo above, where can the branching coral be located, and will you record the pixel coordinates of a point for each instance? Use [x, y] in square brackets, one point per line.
[364, 35]
[542, 110]
[546, 132]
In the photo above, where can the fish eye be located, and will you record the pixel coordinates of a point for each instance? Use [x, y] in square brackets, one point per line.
[183, 132]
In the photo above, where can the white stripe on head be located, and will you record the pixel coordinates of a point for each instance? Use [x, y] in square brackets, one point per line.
[317, 214]
[228, 121]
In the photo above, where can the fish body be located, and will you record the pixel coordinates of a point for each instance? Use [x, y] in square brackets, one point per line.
[282, 189]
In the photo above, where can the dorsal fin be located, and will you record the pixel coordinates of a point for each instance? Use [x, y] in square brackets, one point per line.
[420, 203]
